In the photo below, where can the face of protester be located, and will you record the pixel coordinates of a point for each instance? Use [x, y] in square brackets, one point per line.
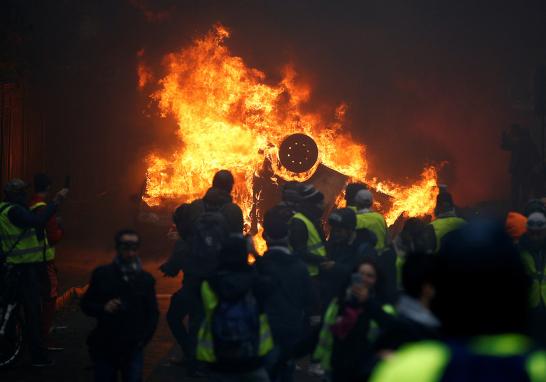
[368, 274]
[128, 247]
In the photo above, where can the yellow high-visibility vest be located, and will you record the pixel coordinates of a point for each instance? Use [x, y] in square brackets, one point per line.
[50, 251]
[443, 226]
[315, 245]
[205, 340]
[21, 246]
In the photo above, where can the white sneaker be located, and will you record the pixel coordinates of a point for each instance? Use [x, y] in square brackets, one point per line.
[315, 370]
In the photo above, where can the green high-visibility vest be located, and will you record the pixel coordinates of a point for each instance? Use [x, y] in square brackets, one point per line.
[50, 251]
[325, 346]
[427, 361]
[205, 342]
[443, 226]
[315, 245]
[375, 222]
[27, 250]
[538, 287]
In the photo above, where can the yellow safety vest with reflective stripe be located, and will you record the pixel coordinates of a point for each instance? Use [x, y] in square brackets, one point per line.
[315, 245]
[427, 361]
[443, 226]
[538, 287]
[50, 251]
[205, 342]
[27, 250]
[323, 351]
[375, 222]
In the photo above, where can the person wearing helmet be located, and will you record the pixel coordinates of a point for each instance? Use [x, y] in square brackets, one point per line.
[480, 299]
[368, 219]
[22, 250]
[446, 219]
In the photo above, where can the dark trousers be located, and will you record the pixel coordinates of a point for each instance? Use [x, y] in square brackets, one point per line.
[186, 302]
[280, 366]
[130, 368]
[31, 300]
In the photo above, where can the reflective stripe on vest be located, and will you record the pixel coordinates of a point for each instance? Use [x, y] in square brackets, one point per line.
[50, 251]
[315, 245]
[443, 226]
[407, 364]
[205, 340]
[27, 250]
[537, 294]
[323, 351]
[374, 222]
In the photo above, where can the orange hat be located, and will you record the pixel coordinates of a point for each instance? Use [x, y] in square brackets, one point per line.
[516, 225]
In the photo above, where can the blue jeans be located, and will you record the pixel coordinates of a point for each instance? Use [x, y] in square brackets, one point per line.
[130, 367]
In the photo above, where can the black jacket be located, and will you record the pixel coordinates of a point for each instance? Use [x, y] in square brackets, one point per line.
[130, 328]
[352, 354]
[346, 258]
[289, 305]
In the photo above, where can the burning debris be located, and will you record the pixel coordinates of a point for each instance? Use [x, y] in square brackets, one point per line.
[229, 117]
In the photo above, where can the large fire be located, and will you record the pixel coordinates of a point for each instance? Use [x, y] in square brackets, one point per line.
[229, 117]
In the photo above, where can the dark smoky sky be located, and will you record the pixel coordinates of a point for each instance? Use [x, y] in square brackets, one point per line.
[425, 81]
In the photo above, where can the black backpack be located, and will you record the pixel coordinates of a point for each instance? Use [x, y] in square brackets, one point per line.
[209, 235]
[236, 330]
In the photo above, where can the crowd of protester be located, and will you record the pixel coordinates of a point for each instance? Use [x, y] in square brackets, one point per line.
[342, 299]
[335, 294]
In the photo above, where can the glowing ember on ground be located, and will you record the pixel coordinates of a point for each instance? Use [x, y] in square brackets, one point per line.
[229, 117]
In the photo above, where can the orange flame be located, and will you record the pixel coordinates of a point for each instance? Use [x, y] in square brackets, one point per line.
[230, 118]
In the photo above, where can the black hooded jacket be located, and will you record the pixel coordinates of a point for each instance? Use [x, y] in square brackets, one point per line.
[289, 305]
[133, 325]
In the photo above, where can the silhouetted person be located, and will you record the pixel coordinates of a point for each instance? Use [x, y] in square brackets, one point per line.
[345, 251]
[524, 163]
[234, 337]
[369, 220]
[414, 319]
[52, 235]
[351, 323]
[121, 296]
[481, 294]
[185, 302]
[23, 250]
[288, 307]
[445, 218]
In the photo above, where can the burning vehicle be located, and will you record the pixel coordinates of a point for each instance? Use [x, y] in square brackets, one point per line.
[229, 116]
